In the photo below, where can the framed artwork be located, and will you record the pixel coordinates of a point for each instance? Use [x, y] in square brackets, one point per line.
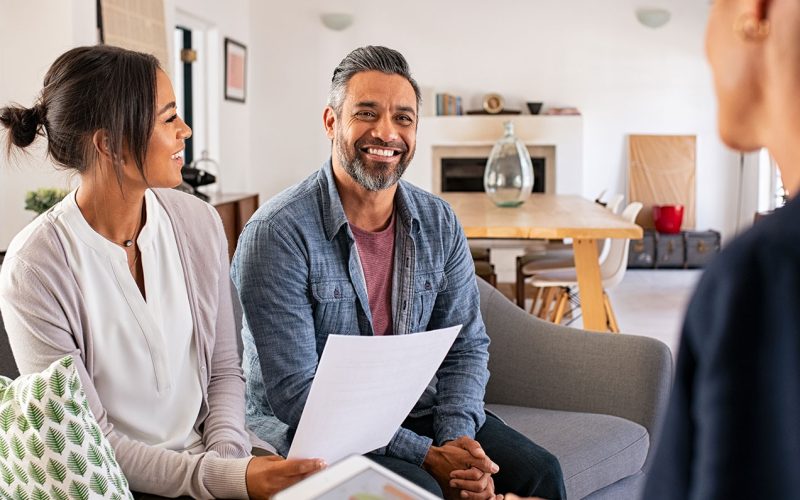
[235, 70]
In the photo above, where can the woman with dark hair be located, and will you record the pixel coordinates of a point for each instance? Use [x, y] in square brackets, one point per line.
[732, 428]
[132, 280]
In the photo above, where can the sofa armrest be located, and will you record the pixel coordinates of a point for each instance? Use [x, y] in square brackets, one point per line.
[537, 364]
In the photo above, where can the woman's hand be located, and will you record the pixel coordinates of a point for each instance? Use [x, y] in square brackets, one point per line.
[266, 476]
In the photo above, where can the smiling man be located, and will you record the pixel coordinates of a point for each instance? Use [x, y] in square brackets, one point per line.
[355, 250]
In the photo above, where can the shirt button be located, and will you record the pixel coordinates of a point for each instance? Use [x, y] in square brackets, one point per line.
[428, 285]
[337, 294]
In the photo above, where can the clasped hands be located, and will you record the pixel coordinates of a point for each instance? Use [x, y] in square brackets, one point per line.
[462, 469]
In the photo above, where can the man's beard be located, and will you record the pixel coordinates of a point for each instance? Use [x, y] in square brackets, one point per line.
[372, 176]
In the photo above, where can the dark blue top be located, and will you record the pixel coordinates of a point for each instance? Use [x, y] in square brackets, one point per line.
[732, 428]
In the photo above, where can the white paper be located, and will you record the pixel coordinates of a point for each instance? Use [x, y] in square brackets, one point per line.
[363, 390]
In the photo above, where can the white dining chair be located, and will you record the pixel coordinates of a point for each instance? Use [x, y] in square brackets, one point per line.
[554, 285]
[555, 255]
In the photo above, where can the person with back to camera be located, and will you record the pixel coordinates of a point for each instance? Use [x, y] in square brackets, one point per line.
[732, 428]
[131, 279]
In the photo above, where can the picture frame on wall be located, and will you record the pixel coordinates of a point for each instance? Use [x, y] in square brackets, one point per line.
[235, 70]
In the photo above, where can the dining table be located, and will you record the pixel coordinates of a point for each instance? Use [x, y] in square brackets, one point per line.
[551, 217]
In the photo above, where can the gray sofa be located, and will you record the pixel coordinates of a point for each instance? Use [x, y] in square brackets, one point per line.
[592, 399]
[8, 367]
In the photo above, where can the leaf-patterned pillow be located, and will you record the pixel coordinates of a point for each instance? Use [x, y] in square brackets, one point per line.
[51, 446]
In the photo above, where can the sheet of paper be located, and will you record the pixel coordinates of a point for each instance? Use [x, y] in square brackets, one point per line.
[363, 390]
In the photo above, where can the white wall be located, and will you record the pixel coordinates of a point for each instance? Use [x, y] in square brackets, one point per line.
[624, 77]
[34, 32]
[230, 141]
[32, 35]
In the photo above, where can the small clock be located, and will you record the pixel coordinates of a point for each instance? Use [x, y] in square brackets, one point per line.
[493, 103]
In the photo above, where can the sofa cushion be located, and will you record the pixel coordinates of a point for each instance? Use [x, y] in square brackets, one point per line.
[50, 444]
[594, 450]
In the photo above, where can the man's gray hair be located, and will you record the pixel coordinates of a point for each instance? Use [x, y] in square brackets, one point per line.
[369, 58]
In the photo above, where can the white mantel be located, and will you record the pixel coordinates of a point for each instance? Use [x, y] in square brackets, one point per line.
[565, 133]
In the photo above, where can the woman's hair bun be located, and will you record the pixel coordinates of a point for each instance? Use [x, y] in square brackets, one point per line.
[23, 124]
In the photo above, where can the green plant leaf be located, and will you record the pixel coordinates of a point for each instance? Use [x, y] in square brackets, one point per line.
[95, 456]
[109, 452]
[19, 494]
[75, 433]
[55, 440]
[66, 361]
[58, 493]
[54, 411]
[35, 445]
[6, 474]
[20, 473]
[56, 470]
[39, 494]
[78, 490]
[7, 417]
[98, 484]
[5, 389]
[42, 199]
[3, 448]
[38, 387]
[75, 384]
[76, 463]
[118, 482]
[95, 432]
[73, 407]
[17, 447]
[35, 416]
[22, 423]
[37, 473]
[58, 382]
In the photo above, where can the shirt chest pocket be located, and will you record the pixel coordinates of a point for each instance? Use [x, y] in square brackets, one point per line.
[334, 309]
[427, 286]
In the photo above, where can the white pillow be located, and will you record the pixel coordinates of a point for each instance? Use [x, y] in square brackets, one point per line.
[51, 446]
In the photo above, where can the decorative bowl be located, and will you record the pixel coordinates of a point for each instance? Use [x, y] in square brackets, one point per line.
[534, 107]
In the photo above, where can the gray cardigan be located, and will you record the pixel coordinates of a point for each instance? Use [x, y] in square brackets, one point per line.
[46, 319]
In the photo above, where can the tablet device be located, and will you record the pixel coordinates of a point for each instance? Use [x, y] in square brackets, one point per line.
[355, 478]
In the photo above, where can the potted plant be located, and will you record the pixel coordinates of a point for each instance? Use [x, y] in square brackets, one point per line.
[42, 199]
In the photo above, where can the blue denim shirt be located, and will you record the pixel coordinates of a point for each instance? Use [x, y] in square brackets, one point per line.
[300, 279]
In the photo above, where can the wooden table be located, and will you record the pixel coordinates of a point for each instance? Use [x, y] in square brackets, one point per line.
[235, 210]
[547, 216]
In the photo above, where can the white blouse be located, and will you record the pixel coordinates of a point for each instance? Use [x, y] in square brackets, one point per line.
[147, 375]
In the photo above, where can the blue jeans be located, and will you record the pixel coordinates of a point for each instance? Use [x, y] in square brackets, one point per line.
[526, 468]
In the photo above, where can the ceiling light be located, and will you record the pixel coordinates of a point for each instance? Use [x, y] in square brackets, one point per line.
[652, 17]
[336, 21]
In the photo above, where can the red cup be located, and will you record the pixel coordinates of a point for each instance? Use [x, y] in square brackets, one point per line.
[668, 218]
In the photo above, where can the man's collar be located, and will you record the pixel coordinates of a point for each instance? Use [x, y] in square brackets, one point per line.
[333, 211]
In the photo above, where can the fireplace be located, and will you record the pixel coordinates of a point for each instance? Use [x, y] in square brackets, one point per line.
[466, 174]
[460, 168]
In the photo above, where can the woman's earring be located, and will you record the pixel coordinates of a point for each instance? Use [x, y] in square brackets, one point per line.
[751, 29]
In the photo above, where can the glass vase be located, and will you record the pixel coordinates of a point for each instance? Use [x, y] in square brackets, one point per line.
[508, 178]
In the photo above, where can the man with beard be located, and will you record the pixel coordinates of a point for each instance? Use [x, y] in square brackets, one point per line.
[355, 250]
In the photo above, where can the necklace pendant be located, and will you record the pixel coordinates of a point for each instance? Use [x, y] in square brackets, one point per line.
[127, 243]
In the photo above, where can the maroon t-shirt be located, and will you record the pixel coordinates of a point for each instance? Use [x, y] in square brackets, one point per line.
[376, 251]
